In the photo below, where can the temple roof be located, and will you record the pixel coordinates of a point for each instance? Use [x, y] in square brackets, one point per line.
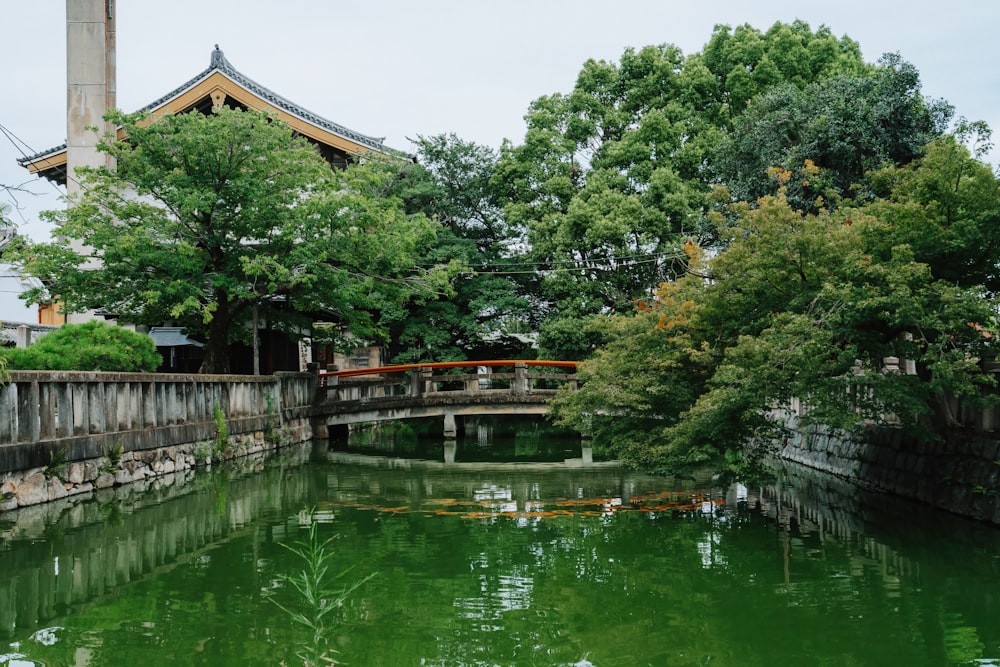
[220, 83]
[172, 337]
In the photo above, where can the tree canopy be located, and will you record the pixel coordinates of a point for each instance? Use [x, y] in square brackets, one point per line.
[207, 216]
[829, 135]
[722, 234]
[845, 311]
[488, 302]
[613, 177]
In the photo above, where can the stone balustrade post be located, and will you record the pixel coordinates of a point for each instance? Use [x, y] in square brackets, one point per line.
[521, 382]
[331, 383]
[415, 383]
[8, 406]
[22, 337]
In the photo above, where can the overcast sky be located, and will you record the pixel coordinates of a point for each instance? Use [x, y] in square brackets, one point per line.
[402, 68]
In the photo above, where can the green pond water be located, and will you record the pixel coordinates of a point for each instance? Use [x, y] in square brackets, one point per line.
[480, 561]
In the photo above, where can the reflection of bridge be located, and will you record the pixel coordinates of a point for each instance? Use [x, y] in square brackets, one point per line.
[451, 390]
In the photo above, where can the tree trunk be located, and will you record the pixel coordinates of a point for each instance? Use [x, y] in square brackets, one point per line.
[216, 359]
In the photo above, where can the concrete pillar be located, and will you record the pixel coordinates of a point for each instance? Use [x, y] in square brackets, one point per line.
[450, 448]
[47, 410]
[90, 82]
[330, 383]
[95, 407]
[81, 408]
[28, 421]
[587, 454]
[90, 93]
[450, 428]
[8, 406]
[148, 400]
[64, 399]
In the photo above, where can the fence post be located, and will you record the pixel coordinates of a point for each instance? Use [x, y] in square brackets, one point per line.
[571, 380]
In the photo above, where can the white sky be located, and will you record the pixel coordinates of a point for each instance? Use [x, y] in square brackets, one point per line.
[401, 68]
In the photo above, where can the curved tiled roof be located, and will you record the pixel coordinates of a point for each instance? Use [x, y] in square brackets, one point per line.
[220, 64]
[37, 156]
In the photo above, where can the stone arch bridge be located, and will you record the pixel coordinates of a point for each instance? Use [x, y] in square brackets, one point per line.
[450, 390]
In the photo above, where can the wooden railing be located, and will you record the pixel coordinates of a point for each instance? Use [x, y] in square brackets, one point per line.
[517, 377]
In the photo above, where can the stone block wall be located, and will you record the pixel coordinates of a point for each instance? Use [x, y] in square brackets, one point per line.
[960, 474]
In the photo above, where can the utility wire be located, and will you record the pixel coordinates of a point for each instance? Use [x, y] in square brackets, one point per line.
[19, 146]
[590, 267]
[560, 266]
[643, 256]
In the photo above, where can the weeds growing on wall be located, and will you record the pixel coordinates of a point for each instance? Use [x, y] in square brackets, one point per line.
[114, 454]
[221, 431]
[57, 462]
[272, 419]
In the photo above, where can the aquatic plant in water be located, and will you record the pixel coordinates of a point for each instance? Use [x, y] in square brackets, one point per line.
[318, 593]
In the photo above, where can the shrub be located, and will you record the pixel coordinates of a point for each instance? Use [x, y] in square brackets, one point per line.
[92, 346]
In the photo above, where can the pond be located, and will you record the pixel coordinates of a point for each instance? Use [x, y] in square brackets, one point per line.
[459, 558]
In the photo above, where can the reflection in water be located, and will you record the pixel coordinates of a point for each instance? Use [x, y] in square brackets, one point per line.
[483, 563]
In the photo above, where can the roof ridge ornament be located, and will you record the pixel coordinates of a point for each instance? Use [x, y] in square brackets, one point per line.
[219, 60]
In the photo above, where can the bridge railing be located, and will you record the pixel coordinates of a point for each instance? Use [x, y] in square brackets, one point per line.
[516, 377]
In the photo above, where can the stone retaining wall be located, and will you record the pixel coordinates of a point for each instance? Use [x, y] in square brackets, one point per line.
[68, 433]
[960, 475]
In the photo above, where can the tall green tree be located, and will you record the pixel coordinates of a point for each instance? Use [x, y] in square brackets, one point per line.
[611, 178]
[817, 307]
[487, 301]
[827, 137]
[745, 62]
[946, 207]
[208, 216]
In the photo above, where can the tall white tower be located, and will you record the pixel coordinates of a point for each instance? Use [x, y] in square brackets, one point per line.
[90, 88]
[90, 81]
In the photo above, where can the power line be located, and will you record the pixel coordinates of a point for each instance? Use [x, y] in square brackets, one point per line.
[557, 266]
[572, 262]
[577, 268]
[19, 146]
